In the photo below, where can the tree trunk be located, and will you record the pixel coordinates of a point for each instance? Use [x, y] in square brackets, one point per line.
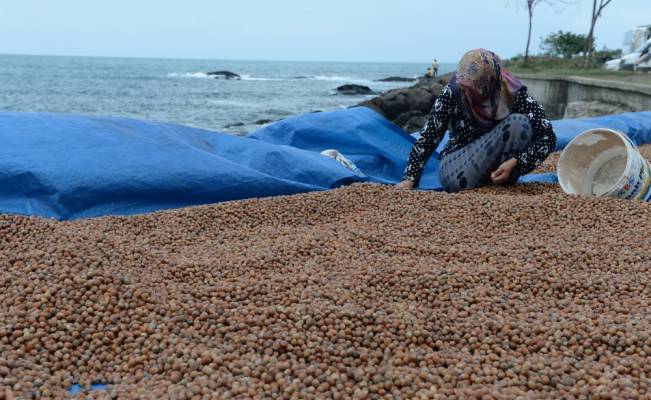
[591, 44]
[588, 42]
[526, 53]
[588, 39]
[596, 13]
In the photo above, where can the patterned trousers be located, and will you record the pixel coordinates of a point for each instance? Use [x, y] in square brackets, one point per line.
[470, 167]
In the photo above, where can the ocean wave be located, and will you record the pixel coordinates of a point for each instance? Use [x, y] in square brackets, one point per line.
[333, 78]
[253, 78]
[198, 75]
[230, 103]
[203, 75]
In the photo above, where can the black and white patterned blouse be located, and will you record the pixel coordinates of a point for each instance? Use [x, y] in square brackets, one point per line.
[446, 113]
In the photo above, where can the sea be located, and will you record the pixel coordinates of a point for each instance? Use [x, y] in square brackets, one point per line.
[181, 91]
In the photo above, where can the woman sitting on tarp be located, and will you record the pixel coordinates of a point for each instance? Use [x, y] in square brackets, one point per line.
[498, 132]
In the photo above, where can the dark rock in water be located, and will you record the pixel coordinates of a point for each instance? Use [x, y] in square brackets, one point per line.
[263, 121]
[225, 75]
[234, 125]
[396, 79]
[354, 90]
[316, 111]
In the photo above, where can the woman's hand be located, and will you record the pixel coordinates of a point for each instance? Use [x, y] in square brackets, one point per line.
[503, 172]
[405, 185]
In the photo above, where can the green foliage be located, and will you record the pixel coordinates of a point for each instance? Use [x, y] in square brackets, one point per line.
[564, 44]
[563, 66]
[545, 62]
[608, 54]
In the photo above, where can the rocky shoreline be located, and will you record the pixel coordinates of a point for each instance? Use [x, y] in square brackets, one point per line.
[408, 107]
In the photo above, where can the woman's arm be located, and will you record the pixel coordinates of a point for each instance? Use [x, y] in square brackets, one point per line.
[543, 141]
[435, 127]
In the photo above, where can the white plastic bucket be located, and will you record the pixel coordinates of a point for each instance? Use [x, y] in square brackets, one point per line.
[604, 163]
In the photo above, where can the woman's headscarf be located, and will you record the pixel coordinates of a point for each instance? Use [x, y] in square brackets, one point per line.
[483, 89]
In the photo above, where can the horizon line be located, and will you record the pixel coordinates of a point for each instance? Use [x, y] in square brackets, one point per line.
[217, 59]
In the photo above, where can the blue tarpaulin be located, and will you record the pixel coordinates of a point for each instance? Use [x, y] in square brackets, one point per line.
[70, 166]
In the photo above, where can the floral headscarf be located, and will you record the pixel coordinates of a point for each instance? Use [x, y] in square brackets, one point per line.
[485, 91]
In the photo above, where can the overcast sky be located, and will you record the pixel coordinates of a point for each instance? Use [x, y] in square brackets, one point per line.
[312, 30]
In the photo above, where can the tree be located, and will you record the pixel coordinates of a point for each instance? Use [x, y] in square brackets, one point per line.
[597, 8]
[531, 6]
[563, 44]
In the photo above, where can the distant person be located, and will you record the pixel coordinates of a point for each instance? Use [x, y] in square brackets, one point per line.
[435, 68]
[498, 132]
[429, 73]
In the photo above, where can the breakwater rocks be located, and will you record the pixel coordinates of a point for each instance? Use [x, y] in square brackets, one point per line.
[408, 107]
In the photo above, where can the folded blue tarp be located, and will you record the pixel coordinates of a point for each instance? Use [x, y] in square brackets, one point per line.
[378, 147]
[69, 167]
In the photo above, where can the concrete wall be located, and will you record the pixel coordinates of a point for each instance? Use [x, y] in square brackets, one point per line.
[556, 92]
